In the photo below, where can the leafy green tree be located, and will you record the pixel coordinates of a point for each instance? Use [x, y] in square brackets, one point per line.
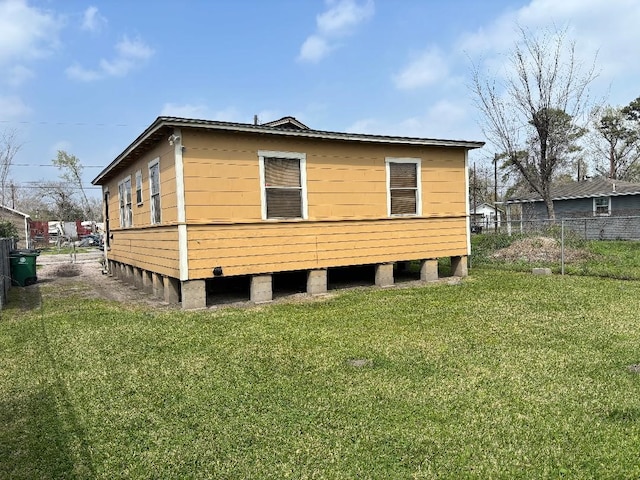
[616, 138]
[8, 229]
[72, 172]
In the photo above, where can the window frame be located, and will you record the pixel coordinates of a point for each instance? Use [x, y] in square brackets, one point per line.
[139, 199]
[125, 209]
[418, 164]
[595, 207]
[302, 158]
[152, 208]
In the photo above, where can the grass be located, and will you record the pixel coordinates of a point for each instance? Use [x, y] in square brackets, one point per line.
[504, 376]
[612, 259]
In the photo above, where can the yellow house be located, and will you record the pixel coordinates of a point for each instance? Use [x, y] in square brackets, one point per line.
[190, 200]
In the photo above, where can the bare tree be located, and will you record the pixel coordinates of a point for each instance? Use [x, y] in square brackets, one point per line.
[530, 116]
[9, 147]
[615, 138]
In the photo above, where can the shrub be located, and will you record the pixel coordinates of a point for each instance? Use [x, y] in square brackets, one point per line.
[8, 229]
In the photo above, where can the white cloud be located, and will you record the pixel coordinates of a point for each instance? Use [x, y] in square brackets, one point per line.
[340, 19]
[343, 16]
[76, 72]
[92, 21]
[599, 27]
[18, 74]
[129, 55]
[445, 119]
[12, 107]
[314, 49]
[200, 111]
[427, 69]
[26, 32]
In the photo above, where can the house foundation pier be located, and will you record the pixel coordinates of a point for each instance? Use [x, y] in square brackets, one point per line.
[194, 294]
[157, 283]
[384, 275]
[171, 290]
[317, 282]
[261, 288]
[459, 266]
[429, 270]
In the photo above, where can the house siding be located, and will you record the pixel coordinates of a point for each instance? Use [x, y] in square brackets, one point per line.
[152, 247]
[20, 223]
[271, 247]
[344, 180]
[582, 207]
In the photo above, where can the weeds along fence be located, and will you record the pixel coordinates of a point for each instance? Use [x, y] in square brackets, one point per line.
[587, 234]
[6, 244]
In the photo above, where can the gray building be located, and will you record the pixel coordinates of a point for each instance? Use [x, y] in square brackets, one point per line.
[600, 197]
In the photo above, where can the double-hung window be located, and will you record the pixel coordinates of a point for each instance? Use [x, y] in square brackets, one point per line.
[602, 206]
[139, 187]
[403, 186]
[154, 190]
[283, 185]
[124, 199]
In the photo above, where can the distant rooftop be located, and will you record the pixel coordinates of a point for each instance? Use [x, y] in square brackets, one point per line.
[599, 187]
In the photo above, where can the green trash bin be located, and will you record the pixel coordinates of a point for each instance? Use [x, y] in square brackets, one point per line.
[23, 267]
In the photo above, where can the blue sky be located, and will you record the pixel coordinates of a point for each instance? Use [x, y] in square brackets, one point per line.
[88, 76]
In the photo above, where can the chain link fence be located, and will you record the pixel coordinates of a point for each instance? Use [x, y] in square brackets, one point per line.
[569, 245]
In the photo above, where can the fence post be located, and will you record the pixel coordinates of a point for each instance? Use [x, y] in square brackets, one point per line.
[562, 247]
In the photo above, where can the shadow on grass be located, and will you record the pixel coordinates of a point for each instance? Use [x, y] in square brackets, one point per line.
[40, 433]
[34, 442]
[25, 298]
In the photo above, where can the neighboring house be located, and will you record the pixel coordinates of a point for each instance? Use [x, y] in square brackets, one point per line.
[486, 215]
[22, 221]
[600, 197]
[190, 200]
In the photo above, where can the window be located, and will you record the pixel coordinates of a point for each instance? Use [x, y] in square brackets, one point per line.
[602, 206]
[403, 186]
[139, 187]
[124, 199]
[283, 184]
[154, 190]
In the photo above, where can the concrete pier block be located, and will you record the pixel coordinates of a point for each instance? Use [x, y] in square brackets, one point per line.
[194, 294]
[157, 285]
[147, 281]
[261, 288]
[459, 266]
[317, 282]
[384, 275]
[171, 290]
[429, 270]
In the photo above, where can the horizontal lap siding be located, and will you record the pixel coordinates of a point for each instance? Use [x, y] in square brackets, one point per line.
[154, 249]
[344, 180]
[264, 248]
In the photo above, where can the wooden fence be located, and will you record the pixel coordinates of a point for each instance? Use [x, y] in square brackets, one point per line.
[5, 269]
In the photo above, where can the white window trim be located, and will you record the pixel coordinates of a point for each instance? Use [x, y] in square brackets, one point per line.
[302, 157]
[139, 176]
[152, 163]
[418, 163]
[123, 222]
[595, 213]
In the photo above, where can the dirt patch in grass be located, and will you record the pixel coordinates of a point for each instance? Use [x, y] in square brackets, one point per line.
[67, 270]
[539, 249]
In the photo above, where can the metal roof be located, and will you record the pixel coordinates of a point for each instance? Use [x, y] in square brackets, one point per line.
[162, 127]
[599, 187]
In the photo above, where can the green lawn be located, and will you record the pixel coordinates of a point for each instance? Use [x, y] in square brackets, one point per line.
[506, 375]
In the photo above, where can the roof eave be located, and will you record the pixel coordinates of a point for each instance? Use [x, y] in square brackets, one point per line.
[175, 122]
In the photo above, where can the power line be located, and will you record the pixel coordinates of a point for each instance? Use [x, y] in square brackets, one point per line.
[74, 124]
[50, 165]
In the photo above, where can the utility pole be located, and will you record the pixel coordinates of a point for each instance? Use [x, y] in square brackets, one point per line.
[495, 193]
[13, 195]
